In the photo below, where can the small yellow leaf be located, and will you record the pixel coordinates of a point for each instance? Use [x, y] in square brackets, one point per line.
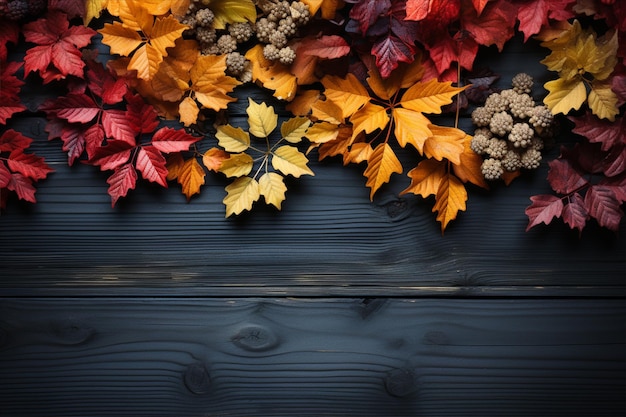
[290, 161]
[232, 11]
[347, 93]
[322, 132]
[425, 178]
[430, 96]
[241, 194]
[188, 110]
[261, 118]
[411, 127]
[605, 56]
[446, 142]
[294, 129]
[565, 95]
[237, 165]
[603, 101]
[272, 188]
[213, 159]
[450, 199]
[191, 177]
[327, 111]
[232, 139]
[93, 9]
[382, 163]
[369, 118]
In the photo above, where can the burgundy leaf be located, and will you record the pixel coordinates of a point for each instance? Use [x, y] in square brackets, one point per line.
[615, 161]
[602, 204]
[617, 185]
[389, 52]
[123, 179]
[23, 187]
[5, 175]
[563, 178]
[367, 12]
[575, 214]
[588, 156]
[600, 131]
[543, 209]
[73, 137]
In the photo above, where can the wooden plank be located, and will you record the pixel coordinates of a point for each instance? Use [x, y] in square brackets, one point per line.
[311, 357]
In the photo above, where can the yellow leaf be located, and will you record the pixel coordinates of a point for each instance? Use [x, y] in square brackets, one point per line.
[237, 165]
[426, 177]
[135, 16]
[209, 82]
[411, 127]
[565, 95]
[232, 139]
[294, 129]
[241, 194]
[145, 61]
[175, 162]
[603, 101]
[261, 118]
[322, 132]
[469, 168]
[213, 158]
[328, 7]
[605, 56]
[121, 40]
[359, 152]
[327, 111]
[232, 11]
[272, 75]
[347, 93]
[382, 163]
[302, 103]
[337, 146]
[188, 110]
[165, 32]
[191, 177]
[160, 7]
[369, 118]
[93, 9]
[288, 160]
[272, 188]
[430, 96]
[446, 142]
[449, 200]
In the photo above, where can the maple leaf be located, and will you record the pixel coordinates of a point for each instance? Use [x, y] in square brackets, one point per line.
[533, 15]
[543, 209]
[10, 102]
[57, 52]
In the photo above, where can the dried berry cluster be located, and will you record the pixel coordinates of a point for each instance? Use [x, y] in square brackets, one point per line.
[17, 10]
[511, 129]
[279, 21]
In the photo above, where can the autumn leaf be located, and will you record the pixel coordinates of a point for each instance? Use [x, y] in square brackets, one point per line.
[241, 195]
[213, 158]
[575, 215]
[272, 75]
[288, 160]
[380, 166]
[543, 209]
[9, 33]
[294, 129]
[262, 119]
[426, 178]
[10, 102]
[189, 174]
[232, 139]
[601, 204]
[272, 188]
[450, 199]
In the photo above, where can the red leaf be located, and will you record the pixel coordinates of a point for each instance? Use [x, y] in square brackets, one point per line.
[123, 179]
[10, 83]
[104, 84]
[389, 52]
[479, 5]
[575, 214]
[5, 175]
[142, 115]
[367, 12]
[23, 187]
[494, 26]
[37, 59]
[328, 47]
[116, 126]
[113, 155]
[9, 109]
[9, 32]
[587, 155]
[439, 12]
[76, 108]
[152, 165]
[12, 140]
[615, 161]
[543, 209]
[29, 165]
[73, 8]
[600, 130]
[73, 137]
[170, 140]
[602, 204]
[563, 178]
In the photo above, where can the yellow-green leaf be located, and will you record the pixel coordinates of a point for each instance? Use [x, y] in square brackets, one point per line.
[294, 129]
[261, 118]
[272, 188]
[382, 163]
[290, 161]
[233, 139]
[237, 165]
[241, 194]
[603, 101]
[565, 95]
[430, 96]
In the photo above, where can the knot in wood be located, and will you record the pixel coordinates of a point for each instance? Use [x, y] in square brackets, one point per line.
[397, 209]
[255, 338]
[401, 382]
[72, 332]
[197, 378]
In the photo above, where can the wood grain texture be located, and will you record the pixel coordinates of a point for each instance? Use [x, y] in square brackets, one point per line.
[311, 357]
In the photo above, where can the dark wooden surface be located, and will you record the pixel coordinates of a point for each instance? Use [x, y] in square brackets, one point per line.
[334, 306]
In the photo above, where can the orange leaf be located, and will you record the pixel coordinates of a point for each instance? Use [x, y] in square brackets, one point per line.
[175, 162]
[446, 142]
[209, 82]
[382, 163]
[426, 178]
[327, 111]
[428, 97]
[191, 177]
[348, 93]
[188, 110]
[213, 158]
[358, 153]
[337, 146]
[369, 118]
[468, 170]
[404, 76]
[450, 199]
[301, 105]
[411, 127]
[273, 76]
